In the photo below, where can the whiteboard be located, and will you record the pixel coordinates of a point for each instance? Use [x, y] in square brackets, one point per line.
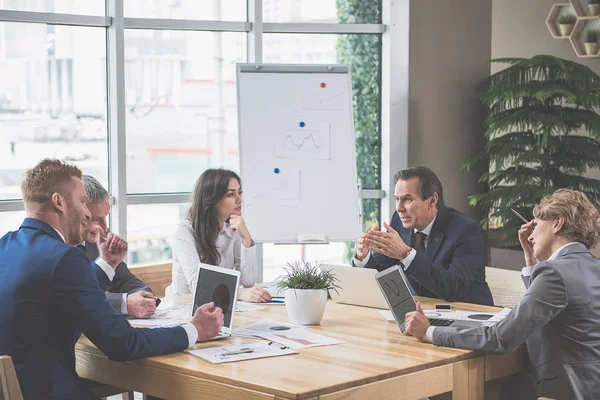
[297, 154]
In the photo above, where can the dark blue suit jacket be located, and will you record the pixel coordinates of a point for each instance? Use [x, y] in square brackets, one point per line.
[49, 292]
[453, 265]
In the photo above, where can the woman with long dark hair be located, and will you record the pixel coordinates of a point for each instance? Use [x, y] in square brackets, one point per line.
[215, 233]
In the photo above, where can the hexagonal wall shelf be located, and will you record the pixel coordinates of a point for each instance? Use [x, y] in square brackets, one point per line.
[585, 21]
[578, 35]
[555, 12]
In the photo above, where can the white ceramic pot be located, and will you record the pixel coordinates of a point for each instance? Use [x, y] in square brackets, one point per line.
[305, 306]
[565, 29]
[591, 49]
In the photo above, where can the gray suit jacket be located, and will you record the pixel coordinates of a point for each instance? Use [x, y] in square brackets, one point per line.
[123, 282]
[558, 318]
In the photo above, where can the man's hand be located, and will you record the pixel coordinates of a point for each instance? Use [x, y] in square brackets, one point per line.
[363, 245]
[208, 320]
[141, 304]
[255, 294]
[388, 243]
[236, 222]
[524, 234]
[113, 249]
[416, 324]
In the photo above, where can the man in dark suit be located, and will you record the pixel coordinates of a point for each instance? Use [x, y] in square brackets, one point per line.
[49, 292]
[442, 251]
[127, 293]
[558, 318]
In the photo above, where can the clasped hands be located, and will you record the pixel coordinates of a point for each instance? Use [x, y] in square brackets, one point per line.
[387, 243]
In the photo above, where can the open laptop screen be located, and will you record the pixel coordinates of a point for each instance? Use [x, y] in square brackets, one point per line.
[219, 288]
[396, 292]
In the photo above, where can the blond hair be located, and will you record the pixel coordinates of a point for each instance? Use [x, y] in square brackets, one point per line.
[582, 220]
[49, 176]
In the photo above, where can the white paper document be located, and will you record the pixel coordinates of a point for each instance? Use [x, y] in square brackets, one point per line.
[301, 339]
[241, 306]
[264, 326]
[304, 143]
[218, 355]
[167, 315]
[276, 189]
[293, 336]
[274, 290]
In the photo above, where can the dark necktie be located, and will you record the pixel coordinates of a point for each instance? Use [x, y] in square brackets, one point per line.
[419, 242]
[81, 246]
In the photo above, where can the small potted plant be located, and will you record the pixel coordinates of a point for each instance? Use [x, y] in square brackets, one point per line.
[591, 41]
[306, 287]
[566, 22]
[594, 7]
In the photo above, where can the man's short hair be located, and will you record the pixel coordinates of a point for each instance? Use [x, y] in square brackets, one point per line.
[429, 183]
[49, 176]
[582, 220]
[94, 190]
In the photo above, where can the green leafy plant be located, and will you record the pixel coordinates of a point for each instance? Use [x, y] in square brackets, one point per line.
[542, 134]
[567, 19]
[304, 275]
[592, 35]
[363, 54]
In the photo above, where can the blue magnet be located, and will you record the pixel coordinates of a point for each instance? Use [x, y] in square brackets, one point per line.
[302, 124]
[276, 170]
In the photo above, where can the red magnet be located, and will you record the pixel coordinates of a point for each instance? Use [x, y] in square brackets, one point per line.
[323, 84]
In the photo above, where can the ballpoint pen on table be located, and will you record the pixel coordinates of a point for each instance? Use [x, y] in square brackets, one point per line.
[240, 351]
[276, 301]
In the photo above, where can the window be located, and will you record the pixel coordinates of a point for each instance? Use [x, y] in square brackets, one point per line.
[87, 7]
[151, 231]
[180, 100]
[52, 100]
[181, 106]
[219, 10]
[10, 221]
[323, 11]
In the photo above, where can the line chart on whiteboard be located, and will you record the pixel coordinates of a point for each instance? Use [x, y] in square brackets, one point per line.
[301, 141]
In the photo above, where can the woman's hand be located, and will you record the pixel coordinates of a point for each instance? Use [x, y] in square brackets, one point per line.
[254, 294]
[236, 222]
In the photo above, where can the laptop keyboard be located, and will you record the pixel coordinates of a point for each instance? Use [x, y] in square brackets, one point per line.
[440, 322]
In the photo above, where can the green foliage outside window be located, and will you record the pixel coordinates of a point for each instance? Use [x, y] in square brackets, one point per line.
[363, 54]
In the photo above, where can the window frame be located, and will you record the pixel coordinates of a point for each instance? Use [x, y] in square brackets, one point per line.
[394, 114]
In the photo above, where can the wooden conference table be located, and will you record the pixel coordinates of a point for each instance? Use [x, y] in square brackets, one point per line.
[377, 362]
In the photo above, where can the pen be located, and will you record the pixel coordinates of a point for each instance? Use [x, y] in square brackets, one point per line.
[277, 301]
[240, 351]
[519, 215]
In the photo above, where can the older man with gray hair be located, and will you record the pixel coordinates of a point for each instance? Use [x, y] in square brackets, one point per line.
[128, 294]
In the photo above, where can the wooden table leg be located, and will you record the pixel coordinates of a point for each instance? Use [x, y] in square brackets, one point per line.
[468, 379]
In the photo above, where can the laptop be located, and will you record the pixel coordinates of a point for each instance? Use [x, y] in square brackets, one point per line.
[395, 289]
[219, 285]
[357, 286]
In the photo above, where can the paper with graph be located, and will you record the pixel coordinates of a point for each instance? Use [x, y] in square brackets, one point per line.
[311, 96]
[304, 143]
[278, 189]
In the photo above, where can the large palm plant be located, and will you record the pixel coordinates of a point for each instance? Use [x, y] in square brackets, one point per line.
[542, 134]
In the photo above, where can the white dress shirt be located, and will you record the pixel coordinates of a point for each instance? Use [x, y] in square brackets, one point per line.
[186, 260]
[411, 255]
[525, 272]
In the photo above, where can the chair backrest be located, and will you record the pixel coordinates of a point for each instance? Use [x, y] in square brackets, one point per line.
[9, 384]
[506, 286]
[155, 276]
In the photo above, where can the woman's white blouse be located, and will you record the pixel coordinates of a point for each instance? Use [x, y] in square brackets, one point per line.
[186, 260]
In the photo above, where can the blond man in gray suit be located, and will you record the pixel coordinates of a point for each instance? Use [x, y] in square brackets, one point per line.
[559, 316]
